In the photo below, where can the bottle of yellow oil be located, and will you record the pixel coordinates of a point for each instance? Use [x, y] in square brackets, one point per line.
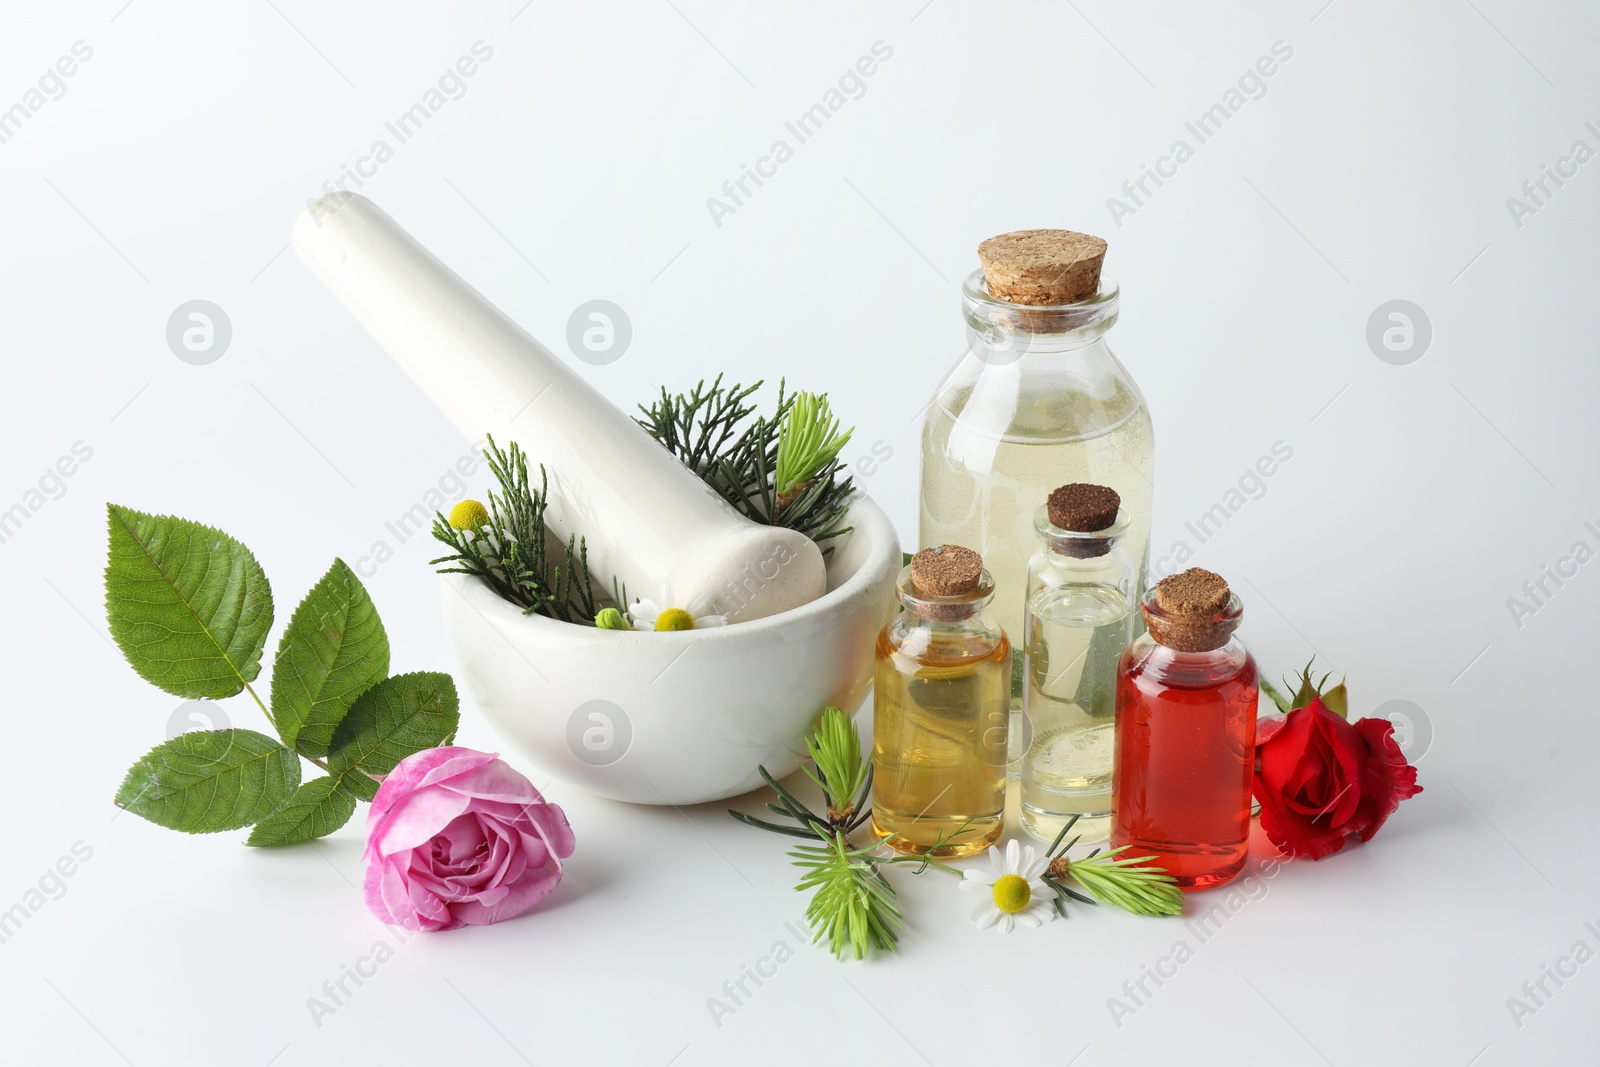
[941, 705]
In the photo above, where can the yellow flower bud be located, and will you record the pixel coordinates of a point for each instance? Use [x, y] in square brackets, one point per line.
[468, 515]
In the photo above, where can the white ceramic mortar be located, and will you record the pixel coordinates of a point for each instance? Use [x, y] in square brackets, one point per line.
[676, 718]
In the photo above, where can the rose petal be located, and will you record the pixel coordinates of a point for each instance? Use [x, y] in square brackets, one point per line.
[1389, 778]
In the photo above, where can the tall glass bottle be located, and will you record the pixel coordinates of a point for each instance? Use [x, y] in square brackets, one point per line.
[1186, 733]
[1036, 400]
[940, 710]
[1078, 620]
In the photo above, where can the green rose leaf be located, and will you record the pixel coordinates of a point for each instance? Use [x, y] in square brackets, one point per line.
[207, 781]
[188, 605]
[392, 720]
[333, 650]
[359, 785]
[316, 809]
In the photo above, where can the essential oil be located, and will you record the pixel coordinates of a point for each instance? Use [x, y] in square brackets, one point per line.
[940, 710]
[1185, 736]
[1037, 399]
[1078, 622]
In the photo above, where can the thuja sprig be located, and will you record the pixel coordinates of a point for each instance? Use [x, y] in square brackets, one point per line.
[1108, 877]
[508, 546]
[715, 431]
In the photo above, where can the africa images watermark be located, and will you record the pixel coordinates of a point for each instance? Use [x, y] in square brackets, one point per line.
[1537, 192]
[851, 85]
[1252, 85]
[51, 85]
[1252, 485]
[1537, 992]
[450, 487]
[51, 885]
[337, 991]
[451, 85]
[1552, 578]
[1225, 902]
[52, 485]
[736, 992]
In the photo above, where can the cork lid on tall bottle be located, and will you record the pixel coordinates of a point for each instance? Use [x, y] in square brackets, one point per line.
[1193, 611]
[1042, 268]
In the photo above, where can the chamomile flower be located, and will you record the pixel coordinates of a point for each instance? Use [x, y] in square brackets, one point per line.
[666, 615]
[1014, 892]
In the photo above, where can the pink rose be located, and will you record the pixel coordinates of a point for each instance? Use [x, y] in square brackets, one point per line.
[457, 837]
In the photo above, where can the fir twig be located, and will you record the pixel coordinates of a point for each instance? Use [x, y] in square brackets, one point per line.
[1125, 882]
[853, 904]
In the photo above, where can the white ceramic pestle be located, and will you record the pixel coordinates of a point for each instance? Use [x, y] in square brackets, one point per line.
[647, 518]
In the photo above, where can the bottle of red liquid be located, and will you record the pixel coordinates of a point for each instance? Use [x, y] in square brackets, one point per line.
[1186, 733]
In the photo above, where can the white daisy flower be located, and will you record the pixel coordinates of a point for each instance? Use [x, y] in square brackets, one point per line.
[665, 615]
[1016, 890]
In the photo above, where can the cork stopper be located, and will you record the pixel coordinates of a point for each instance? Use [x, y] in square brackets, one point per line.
[948, 570]
[1083, 507]
[1191, 611]
[1042, 268]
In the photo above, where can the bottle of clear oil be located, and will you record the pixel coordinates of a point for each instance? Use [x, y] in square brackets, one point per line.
[1078, 620]
[941, 706]
[1037, 399]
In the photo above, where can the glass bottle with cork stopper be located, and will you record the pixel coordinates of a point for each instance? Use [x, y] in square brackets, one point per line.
[1078, 620]
[940, 710]
[1036, 400]
[1186, 733]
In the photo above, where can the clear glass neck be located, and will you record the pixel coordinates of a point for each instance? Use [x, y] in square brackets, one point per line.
[1010, 331]
[1089, 548]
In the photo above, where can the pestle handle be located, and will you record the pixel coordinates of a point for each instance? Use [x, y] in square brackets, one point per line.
[646, 517]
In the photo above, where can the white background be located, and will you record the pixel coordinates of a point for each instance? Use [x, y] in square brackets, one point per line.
[1420, 497]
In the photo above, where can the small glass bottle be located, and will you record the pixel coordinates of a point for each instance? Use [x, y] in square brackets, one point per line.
[1078, 619]
[1037, 399]
[940, 710]
[1186, 733]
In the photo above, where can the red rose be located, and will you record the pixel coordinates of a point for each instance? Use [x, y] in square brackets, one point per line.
[1320, 779]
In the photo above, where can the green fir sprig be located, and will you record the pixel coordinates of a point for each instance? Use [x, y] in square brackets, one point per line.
[854, 904]
[845, 780]
[808, 444]
[1108, 877]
